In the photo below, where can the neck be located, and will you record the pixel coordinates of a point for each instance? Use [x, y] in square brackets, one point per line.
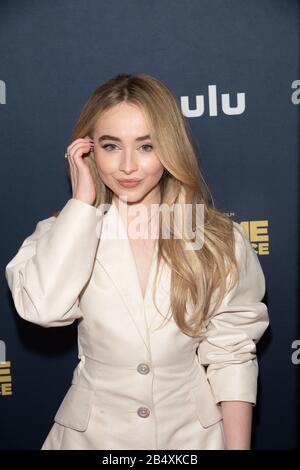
[146, 207]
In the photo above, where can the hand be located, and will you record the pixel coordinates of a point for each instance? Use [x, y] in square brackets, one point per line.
[82, 182]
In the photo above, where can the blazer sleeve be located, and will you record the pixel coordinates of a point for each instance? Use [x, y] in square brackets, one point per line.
[228, 347]
[53, 265]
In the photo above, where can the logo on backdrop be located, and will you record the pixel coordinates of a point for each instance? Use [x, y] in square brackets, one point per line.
[296, 354]
[295, 96]
[5, 374]
[2, 92]
[227, 104]
[257, 232]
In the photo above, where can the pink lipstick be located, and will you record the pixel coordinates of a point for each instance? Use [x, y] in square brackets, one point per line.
[129, 183]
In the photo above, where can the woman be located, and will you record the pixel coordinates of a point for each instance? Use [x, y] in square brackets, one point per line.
[146, 379]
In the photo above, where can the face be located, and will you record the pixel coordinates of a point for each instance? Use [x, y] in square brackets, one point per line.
[124, 152]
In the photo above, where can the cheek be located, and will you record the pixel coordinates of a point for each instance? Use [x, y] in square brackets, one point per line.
[105, 165]
[152, 167]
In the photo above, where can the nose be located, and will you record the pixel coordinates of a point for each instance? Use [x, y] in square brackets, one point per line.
[128, 162]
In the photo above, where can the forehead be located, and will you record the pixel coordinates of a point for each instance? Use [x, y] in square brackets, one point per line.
[124, 116]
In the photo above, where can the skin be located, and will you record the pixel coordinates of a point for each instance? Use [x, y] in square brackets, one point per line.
[83, 187]
[237, 420]
[128, 158]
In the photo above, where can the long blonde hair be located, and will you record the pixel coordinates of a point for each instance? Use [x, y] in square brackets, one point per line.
[196, 275]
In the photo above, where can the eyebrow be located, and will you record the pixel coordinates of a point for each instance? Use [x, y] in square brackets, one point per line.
[111, 137]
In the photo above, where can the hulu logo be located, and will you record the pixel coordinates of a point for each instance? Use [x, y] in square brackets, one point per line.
[229, 106]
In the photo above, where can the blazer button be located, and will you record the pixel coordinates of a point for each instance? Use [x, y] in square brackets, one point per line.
[143, 368]
[143, 412]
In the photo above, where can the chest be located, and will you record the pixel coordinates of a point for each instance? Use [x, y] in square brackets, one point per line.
[142, 252]
[117, 321]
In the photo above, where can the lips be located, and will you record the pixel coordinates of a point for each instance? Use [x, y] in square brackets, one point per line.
[133, 180]
[129, 183]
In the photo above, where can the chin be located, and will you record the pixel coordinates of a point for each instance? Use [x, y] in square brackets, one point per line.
[130, 197]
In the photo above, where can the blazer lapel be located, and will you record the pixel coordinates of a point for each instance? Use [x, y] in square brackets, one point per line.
[116, 258]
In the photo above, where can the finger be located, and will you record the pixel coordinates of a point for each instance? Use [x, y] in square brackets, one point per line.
[83, 147]
[75, 143]
[73, 171]
[77, 160]
[79, 153]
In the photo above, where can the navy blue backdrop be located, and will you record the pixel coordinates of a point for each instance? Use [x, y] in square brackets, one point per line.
[234, 67]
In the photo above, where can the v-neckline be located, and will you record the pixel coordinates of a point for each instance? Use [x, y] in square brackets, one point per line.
[143, 296]
[153, 259]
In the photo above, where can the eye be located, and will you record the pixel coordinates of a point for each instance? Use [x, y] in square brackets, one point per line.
[108, 145]
[148, 145]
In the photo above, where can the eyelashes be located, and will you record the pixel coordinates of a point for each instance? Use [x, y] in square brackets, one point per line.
[106, 147]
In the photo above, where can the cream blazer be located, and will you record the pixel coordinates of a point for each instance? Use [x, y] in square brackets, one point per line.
[138, 384]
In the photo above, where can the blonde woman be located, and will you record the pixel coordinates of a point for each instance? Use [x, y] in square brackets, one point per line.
[167, 324]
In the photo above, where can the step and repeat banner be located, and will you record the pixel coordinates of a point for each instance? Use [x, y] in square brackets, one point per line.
[234, 67]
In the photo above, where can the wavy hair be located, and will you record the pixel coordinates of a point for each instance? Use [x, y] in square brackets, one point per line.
[197, 276]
